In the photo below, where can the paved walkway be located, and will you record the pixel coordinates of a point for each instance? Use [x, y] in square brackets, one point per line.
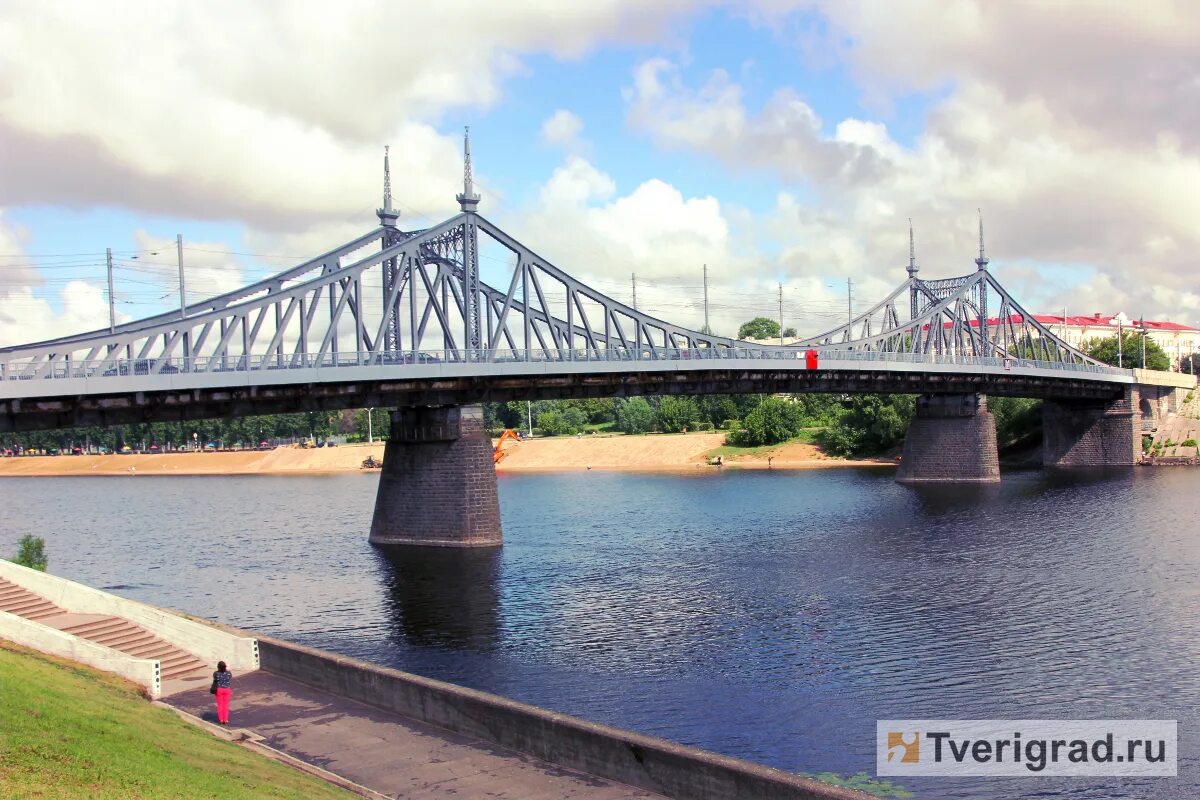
[393, 755]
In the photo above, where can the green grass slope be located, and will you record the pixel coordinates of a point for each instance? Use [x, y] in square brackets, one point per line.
[67, 731]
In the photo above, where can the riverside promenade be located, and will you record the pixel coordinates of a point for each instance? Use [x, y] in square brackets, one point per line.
[375, 730]
[386, 753]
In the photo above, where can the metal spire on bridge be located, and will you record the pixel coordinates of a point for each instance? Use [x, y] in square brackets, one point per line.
[982, 261]
[912, 272]
[387, 215]
[469, 199]
[912, 252]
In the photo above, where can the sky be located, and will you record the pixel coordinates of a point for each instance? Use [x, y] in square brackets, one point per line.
[775, 142]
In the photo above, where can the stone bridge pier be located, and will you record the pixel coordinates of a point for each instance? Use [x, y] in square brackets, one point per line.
[1094, 433]
[952, 439]
[438, 484]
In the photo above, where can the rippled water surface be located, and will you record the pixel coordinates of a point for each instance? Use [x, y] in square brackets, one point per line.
[769, 615]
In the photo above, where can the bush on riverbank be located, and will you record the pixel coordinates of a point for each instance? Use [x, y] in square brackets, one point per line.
[869, 424]
[71, 732]
[31, 552]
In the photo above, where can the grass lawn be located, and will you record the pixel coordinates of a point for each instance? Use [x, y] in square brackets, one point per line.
[808, 436]
[67, 731]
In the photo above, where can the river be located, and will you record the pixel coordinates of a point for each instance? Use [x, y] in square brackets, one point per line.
[769, 615]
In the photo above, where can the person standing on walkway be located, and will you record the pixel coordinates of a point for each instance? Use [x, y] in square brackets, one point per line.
[221, 687]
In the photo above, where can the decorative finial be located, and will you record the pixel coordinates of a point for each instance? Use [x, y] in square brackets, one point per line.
[387, 215]
[982, 261]
[468, 200]
[387, 179]
[912, 252]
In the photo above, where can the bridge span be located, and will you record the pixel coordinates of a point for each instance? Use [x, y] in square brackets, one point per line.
[402, 319]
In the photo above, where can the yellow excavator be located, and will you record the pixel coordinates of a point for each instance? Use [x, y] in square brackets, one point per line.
[499, 453]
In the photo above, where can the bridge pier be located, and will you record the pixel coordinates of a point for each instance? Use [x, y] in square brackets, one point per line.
[1092, 433]
[438, 484]
[952, 439]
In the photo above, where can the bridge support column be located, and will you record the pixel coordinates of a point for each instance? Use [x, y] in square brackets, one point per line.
[952, 439]
[438, 486]
[1092, 433]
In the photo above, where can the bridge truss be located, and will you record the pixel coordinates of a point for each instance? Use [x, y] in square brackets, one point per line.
[395, 297]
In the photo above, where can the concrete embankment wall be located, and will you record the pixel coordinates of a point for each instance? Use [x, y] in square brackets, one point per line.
[642, 761]
[206, 642]
[43, 638]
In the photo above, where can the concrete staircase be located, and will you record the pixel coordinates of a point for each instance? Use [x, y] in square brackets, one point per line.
[121, 634]
[115, 632]
[24, 603]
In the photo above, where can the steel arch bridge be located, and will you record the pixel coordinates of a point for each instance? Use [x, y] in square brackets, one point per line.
[398, 316]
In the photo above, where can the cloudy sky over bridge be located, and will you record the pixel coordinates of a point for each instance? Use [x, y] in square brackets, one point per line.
[775, 141]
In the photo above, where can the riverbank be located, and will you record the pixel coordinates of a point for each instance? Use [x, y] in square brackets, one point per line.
[651, 452]
[73, 732]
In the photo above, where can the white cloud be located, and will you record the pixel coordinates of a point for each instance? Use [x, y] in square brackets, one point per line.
[563, 129]
[785, 136]
[25, 314]
[1053, 190]
[210, 269]
[273, 113]
[584, 226]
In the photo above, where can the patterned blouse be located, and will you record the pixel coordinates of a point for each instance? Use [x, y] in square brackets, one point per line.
[222, 679]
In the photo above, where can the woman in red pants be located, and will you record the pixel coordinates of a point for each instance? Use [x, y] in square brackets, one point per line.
[222, 681]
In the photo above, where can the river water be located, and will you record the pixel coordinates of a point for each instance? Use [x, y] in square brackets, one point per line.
[769, 615]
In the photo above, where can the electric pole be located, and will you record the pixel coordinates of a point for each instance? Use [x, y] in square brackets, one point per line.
[182, 288]
[1120, 346]
[849, 300]
[187, 344]
[112, 303]
[634, 279]
[781, 315]
[706, 328]
[1144, 341]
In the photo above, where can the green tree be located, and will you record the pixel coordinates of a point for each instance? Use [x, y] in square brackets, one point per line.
[774, 420]
[31, 552]
[597, 411]
[562, 421]
[1018, 419]
[1190, 364]
[635, 415]
[869, 424]
[789, 333]
[676, 413]
[759, 328]
[716, 408]
[1131, 351]
[817, 410]
[377, 426]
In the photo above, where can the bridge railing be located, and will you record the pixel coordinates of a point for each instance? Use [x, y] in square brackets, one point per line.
[125, 367]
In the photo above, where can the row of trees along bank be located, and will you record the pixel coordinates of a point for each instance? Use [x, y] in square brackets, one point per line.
[852, 425]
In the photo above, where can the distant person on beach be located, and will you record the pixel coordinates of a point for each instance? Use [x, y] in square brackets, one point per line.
[221, 687]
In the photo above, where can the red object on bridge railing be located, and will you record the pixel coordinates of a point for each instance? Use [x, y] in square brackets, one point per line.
[810, 359]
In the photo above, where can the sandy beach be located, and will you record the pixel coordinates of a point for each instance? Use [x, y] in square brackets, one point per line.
[654, 452]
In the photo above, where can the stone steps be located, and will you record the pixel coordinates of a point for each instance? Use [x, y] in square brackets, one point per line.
[24, 603]
[121, 634]
[115, 632]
